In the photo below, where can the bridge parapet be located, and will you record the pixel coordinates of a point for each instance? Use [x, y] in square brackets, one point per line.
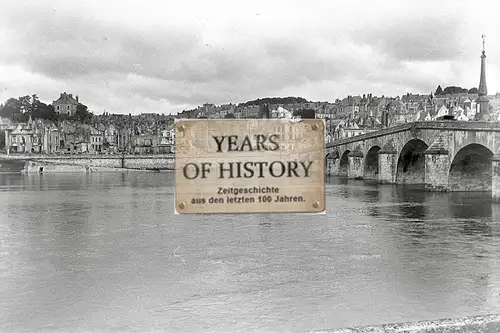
[419, 125]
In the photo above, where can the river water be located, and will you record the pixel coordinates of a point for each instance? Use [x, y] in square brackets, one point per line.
[104, 252]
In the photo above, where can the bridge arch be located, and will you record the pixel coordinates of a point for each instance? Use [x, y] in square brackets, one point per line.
[471, 169]
[344, 164]
[411, 163]
[371, 163]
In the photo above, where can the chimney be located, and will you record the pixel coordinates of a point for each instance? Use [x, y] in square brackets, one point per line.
[77, 98]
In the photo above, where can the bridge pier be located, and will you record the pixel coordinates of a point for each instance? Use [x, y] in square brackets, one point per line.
[436, 172]
[387, 164]
[355, 167]
[495, 184]
[437, 166]
[335, 166]
[332, 164]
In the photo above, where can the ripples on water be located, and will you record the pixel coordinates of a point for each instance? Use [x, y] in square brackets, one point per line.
[105, 252]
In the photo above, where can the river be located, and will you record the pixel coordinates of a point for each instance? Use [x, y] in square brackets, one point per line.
[104, 252]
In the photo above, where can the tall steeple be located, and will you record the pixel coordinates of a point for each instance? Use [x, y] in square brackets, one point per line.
[482, 101]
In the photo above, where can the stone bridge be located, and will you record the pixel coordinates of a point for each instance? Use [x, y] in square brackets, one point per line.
[443, 155]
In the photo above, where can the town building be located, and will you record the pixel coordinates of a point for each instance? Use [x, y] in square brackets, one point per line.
[281, 113]
[66, 104]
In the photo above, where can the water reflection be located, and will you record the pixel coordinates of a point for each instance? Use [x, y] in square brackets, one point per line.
[79, 249]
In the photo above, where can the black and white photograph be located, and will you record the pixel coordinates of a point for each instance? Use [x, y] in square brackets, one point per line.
[337, 170]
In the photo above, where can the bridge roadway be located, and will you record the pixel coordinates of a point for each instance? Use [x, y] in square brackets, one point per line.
[443, 155]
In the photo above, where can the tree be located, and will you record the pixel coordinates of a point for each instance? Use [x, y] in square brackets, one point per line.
[2, 138]
[82, 114]
[44, 111]
[9, 110]
[25, 103]
[305, 113]
[229, 116]
[454, 90]
[19, 109]
[264, 111]
[34, 102]
[473, 91]
[275, 100]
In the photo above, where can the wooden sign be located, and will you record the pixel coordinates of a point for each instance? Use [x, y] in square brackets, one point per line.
[250, 166]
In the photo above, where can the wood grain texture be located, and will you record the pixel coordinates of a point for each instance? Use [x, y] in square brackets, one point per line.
[301, 153]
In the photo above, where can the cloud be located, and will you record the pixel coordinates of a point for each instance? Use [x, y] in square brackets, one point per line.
[128, 56]
[418, 38]
[70, 46]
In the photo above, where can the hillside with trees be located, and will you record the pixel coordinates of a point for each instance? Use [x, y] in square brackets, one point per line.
[454, 90]
[20, 109]
[275, 100]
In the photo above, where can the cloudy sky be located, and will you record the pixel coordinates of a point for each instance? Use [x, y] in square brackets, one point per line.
[165, 56]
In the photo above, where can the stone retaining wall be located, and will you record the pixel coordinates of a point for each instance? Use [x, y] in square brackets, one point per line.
[82, 163]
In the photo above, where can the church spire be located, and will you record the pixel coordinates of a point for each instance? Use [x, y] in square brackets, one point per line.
[482, 90]
[482, 101]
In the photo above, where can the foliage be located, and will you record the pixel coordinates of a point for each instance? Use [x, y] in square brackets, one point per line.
[305, 113]
[229, 116]
[20, 109]
[454, 90]
[275, 100]
[44, 111]
[82, 114]
[264, 111]
[10, 108]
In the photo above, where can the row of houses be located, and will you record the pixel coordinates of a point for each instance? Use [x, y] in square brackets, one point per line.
[44, 136]
[153, 133]
[352, 106]
[355, 115]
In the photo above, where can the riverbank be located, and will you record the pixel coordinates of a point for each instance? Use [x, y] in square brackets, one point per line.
[85, 163]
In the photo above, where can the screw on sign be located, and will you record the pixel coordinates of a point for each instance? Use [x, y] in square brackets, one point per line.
[233, 166]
